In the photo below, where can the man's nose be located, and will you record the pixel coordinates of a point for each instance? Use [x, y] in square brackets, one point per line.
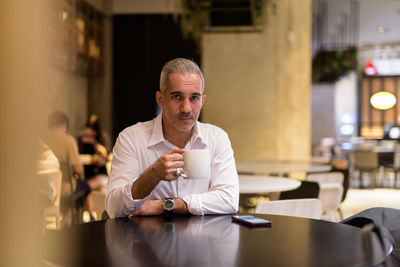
[185, 105]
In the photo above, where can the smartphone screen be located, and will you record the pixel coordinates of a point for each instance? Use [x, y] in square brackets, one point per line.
[252, 221]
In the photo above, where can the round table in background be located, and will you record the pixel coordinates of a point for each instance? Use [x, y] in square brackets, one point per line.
[279, 167]
[254, 184]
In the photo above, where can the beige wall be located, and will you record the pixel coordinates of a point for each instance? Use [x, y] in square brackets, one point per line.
[22, 79]
[258, 84]
[30, 88]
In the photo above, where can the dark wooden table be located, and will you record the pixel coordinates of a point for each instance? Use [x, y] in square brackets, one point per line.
[208, 241]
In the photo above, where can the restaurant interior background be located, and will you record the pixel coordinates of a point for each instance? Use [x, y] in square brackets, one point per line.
[104, 56]
[110, 67]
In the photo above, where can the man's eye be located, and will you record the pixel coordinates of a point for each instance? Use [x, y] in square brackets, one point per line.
[195, 98]
[176, 97]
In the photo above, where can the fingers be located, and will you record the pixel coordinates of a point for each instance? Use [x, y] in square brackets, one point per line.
[172, 173]
[175, 154]
[168, 163]
[177, 150]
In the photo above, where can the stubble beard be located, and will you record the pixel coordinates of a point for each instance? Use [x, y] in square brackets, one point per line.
[184, 128]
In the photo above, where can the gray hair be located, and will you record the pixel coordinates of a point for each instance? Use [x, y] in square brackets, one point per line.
[181, 65]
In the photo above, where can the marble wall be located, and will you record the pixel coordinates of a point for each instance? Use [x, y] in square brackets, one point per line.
[258, 85]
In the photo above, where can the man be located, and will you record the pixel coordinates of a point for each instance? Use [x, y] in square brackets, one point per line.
[148, 157]
[63, 145]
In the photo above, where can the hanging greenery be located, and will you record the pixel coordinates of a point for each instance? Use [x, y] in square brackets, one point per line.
[328, 66]
[198, 16]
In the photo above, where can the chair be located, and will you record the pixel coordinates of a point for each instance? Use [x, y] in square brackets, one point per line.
[69, 194]
[342, 165]
[306, 208]
[395, 169]
[54, 209]
[392, 164]
[384, 223]
[98, 198]
[330, 194]
[307, 189]
[366, 161]
[105, 216]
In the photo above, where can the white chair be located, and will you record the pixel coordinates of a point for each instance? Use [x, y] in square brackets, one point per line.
[54, 210]
[330, 193]
[305, 207]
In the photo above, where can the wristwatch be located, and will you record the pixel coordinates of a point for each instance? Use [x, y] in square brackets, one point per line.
[168, 206]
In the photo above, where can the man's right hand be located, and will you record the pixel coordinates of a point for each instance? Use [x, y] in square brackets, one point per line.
[165, 167]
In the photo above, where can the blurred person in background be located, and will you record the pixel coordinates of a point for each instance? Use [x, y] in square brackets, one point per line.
[47, 167]
[49, 175]
[65, 148]
[92, 142]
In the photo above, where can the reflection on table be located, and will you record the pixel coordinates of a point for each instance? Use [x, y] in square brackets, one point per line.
[184, 241]
[209, 241]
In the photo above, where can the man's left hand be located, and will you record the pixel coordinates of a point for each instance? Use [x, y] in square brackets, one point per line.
[150, 207]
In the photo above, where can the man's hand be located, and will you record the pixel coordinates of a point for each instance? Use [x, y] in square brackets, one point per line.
[154, 207]
[165, 167]
[150, 207]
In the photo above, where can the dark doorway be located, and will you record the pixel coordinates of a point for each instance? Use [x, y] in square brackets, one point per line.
[141, 46]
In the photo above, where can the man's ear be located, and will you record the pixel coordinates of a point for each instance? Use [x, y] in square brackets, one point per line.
[160, 99]
[203, 99]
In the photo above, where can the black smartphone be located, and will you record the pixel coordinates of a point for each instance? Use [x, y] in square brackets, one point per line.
[252, 221]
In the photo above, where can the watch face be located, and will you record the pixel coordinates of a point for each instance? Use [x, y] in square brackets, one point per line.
[168, 204]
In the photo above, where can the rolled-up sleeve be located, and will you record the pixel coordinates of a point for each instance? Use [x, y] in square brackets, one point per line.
[124, 172]
[223, 194]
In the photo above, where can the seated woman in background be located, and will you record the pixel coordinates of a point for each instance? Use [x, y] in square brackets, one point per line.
[91, 142]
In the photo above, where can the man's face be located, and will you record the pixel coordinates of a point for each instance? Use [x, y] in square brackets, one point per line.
[181, 102]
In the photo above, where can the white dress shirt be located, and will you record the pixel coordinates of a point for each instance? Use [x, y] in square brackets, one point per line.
[140, 145]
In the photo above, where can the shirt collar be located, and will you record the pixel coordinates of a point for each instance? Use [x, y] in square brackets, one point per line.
[197, 136]
[157, 135]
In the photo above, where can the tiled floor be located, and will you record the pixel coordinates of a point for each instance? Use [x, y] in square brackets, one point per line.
[360, 199]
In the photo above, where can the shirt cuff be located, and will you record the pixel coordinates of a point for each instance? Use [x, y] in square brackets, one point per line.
[131, 204]
[194, 204]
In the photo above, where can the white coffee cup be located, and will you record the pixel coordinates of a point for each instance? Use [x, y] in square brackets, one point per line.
[197, 164]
